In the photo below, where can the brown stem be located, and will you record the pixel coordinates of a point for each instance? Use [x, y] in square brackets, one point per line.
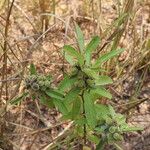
[4, 69]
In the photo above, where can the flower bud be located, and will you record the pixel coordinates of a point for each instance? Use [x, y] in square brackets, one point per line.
[35, 87]
[117, 136]
[112, 129]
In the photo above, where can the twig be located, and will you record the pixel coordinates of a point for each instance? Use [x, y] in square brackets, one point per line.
[60, 136]
[4, 75]
[11, 79]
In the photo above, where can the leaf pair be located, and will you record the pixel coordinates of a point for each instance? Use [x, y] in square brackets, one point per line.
[58, 100]
[84, 55]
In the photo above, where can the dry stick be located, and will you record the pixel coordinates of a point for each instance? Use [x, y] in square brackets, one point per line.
[60, 136]
[4, 74]
[44, 19]
[99, 18]
[127, 10]
[4, 69]
[31, 132]
[9, 46]
[132, 68]
[26, 16]
[40, 37]
[93, 15]
[20, 126]
[112, 36]
[46, 123]
[54, 9]
[117, 34]
[134, 105]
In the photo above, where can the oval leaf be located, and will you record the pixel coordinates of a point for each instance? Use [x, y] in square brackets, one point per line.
[80, 37]
[90, 48]
[90, 112]
[74, 53]
[46, 101]
[103, 80]
[61, 106]
[72, 95]
[66, 83]
[54, 94]
[101, 92]
[76, 109]
[106, 57]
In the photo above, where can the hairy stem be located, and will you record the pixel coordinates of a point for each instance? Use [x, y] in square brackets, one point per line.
[84, 126]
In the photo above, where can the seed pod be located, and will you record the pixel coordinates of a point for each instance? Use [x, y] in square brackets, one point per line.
[41, 83]
[35, 87]
[74, 73]
[109, 121]
[47, 83]
[117, 136]
[43, 88]
[112, 129]
[81, 83]
[90, 82]
[33, 77]
[40, 77]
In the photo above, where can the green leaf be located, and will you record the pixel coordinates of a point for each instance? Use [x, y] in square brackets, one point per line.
[90, 112]
[93, 138]
[54, 94]
[61, 106]
[80, 121]
[90, 48]
[67, 83]
[76, 108]
[72, 95]
[91, 73]
[103, 80]
[112, 111]
[101, 144]
[106, 57]
[70, 59]
[102, 111]
[74, 53]
[80, 37]
[18, 99]
[129, 129]
[33, 70]
[101, 92]
[46, 101]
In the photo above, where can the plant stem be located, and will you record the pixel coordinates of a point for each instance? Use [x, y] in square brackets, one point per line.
[4, 69]
[101, 144]
[84, 126]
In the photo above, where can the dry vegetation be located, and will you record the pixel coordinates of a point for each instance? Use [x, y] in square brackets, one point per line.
[36, 30]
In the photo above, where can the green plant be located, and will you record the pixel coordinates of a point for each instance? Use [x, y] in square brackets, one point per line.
[76, 97]
[39, 87]
[83, 86]
[111, 127]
